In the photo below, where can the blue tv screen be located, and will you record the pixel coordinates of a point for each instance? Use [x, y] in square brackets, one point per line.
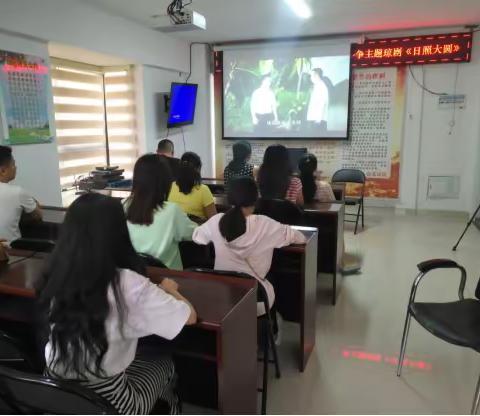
[183, 98]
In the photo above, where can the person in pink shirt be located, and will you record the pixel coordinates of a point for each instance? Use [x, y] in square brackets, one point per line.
[244, 242]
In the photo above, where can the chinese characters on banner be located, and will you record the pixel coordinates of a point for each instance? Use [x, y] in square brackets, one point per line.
[24, 111]
[453, 47]
[376, 124]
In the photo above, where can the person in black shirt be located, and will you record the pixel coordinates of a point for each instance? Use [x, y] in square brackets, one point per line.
[166, 149]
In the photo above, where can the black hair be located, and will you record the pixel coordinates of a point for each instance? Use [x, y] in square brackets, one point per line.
[242, 193]
[5, 156]
[274, 174]
[242, 150]
[165, 145]
[189, 174]
[94, 244]
[307, 166]
[318, 71]
[151, 185]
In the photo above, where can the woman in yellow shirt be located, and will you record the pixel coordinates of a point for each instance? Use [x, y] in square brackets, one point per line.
[188, 192]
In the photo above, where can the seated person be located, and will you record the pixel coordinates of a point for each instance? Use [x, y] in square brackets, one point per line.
[14, 201]
[313, 189]
[97, 303]
[166, 149]
[155, 225]
[188, 192]
[239, 166]
[275, 178]
[244, 242]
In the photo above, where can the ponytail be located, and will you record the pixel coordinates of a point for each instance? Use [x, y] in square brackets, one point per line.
[242, 192]
[233, 224]
[307, 166]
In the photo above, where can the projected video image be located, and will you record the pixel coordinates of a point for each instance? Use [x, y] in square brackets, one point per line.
[286, 97]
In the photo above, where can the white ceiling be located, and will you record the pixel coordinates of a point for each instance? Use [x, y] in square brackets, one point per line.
[254, 19]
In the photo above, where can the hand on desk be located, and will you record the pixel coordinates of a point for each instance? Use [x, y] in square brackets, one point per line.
[171, 287]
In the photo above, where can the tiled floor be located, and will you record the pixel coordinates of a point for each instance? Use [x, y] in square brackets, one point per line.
[352, 369]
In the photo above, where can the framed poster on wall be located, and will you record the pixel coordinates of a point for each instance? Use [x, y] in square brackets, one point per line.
[24, 83]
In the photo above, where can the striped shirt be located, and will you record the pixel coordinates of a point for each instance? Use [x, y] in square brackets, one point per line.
[295, 189]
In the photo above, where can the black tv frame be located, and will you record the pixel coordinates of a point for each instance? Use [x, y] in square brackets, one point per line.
[183, 123]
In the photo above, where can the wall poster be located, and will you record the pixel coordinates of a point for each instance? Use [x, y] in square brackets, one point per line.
[24, 83]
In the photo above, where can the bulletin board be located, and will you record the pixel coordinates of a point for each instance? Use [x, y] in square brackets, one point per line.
[24, 84]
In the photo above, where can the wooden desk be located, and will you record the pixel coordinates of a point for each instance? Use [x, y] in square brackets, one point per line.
[223, 344]
[294, 277]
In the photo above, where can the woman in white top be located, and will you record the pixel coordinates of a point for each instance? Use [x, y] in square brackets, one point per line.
[244, 242]
[98, 303]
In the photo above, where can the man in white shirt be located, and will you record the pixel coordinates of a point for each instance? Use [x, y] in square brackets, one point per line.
[318, 106]
[14, 201]
[263, 105]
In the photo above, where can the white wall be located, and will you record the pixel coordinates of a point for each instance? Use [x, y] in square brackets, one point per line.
[197, 136]
[429, 148]
[78, 24]
[37, 165]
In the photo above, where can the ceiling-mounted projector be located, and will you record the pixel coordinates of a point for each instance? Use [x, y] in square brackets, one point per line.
[182, 19]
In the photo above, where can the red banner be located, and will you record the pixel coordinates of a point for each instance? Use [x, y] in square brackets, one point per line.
[431, 49]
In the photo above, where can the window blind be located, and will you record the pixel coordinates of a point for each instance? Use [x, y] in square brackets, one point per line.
[95, 118]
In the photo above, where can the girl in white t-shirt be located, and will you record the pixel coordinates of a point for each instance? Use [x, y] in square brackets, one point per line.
[98, 303]
[244, 242]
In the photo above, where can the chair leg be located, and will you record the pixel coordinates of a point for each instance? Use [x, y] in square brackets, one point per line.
[363, 214]
[266, 348]
[358, 217]
[476, 399]
[274, 350]
[406, 329]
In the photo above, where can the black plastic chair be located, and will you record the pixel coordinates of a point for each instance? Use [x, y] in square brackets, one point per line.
[152, 261]
[455, 322]
[353, 176]
[26, 393]
[266, 328]
[38, 245]
[280, 210]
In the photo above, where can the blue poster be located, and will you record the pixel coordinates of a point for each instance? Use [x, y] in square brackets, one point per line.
[23, 99]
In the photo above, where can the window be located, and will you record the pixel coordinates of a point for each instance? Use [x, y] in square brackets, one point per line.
[95, 118]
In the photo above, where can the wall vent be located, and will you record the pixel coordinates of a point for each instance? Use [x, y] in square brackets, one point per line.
[443, 187]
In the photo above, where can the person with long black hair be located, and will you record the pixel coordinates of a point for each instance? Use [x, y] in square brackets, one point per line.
[313, 189]
[244, 242]
[155, 225]
[188, 192]
[97, 303]
[239, 166]
[275, 178]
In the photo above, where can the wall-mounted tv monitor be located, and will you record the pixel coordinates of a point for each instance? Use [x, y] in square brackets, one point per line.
[286, 92]
[183, 98]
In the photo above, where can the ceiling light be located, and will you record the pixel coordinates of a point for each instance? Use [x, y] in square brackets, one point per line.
[300, 8]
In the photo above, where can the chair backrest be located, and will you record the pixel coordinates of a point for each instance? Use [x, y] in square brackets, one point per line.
[34, 244]
[13, 354]
[261, 292]
[477, 292]
[26, 393]
[349, 176]
[280, 210]
[152, 261]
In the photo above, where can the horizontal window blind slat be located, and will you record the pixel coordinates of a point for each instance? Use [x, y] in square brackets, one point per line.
[73, 109]
[70, 92]
[77, 77]
[120, 95]
[69, 140]
[79, 124]
[85, 154]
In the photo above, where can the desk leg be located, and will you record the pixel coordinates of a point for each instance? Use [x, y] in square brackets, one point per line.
[237, 359]
[309, 302]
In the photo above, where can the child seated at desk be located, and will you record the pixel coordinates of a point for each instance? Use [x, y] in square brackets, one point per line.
[244, 242]
[14, 201]
[97, 303]
[188, 192]
[313, 189]
[275, 178]
[155, 225]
